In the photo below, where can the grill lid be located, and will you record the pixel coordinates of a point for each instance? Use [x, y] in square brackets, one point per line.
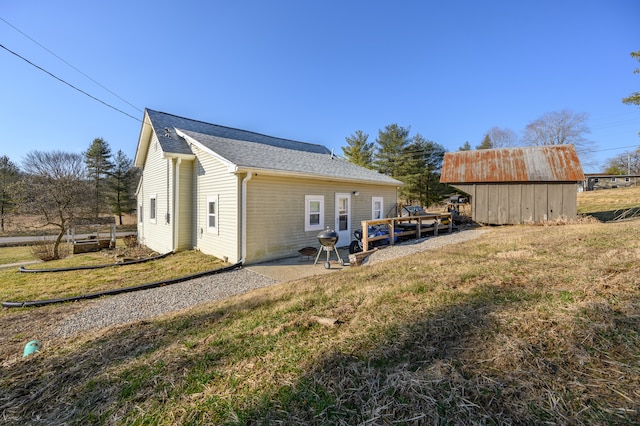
[328, 237]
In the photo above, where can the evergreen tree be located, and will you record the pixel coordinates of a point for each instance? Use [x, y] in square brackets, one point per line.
[392, 142]
[9, 174]
[99, 166]
[465, 147]
[421, 167]
[486, 143]
[358, 150]
[120, 184]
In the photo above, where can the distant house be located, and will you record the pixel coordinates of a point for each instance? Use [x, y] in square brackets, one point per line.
[595, 181]
[516, 185]
[243, 196]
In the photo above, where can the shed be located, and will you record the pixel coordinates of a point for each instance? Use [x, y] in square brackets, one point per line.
[517, 185]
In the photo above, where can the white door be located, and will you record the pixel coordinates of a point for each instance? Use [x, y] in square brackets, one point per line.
[343, 219]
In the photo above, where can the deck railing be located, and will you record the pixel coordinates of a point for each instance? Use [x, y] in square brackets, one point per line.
[392, 223]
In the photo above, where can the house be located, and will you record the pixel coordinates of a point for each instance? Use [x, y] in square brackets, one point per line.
[595, 181]
[516, 185]
[246, 197]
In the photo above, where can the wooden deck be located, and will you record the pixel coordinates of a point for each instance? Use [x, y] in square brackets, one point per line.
[413, 226]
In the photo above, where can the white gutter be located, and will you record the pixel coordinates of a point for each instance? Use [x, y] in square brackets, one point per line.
[243, 237]
[315, 176]
[176, 199]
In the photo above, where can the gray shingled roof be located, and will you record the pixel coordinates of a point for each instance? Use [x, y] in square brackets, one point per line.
[161, 121]
[250, 150]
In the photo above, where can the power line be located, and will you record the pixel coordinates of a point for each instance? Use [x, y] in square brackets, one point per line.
[69, 84]
[67, 63]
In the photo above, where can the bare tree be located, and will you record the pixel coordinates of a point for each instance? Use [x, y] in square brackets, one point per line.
[625, 163]
[54, 189]
[634, 98]
[560, 128]
[502, 138]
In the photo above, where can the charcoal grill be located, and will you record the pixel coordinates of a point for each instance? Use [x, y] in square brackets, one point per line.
[328, 240]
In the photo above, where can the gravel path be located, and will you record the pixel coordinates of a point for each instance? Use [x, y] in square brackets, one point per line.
[147, 304]
[416, 246]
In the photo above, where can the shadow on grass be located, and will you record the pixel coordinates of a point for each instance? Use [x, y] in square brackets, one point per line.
[412, 372]
[614, 215]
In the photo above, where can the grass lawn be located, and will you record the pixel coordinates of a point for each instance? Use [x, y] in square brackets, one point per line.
[524, 325]
[17, 286]
[10, 255]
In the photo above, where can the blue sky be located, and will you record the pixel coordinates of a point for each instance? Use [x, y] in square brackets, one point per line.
[316, 71]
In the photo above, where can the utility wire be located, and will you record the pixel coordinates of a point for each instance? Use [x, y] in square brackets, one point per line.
[67, 63]
[69, 84]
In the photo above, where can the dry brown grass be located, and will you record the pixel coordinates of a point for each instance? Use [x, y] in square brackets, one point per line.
[610, 204]
[525, 325]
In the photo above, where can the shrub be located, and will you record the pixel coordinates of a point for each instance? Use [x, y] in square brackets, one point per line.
[43, 249]
[130, 240]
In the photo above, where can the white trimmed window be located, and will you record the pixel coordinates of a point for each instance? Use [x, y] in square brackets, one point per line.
[140, 213]
[212, 213]
[313, 212]
[377, 208]
[152, 208]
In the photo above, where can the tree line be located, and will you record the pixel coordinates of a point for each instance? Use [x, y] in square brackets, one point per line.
[57, 187]
[417, 161]
[414, 160]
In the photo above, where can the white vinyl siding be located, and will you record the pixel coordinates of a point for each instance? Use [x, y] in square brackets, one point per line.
[314, 212]
[212, 177]
[157, 234]
[276, 213]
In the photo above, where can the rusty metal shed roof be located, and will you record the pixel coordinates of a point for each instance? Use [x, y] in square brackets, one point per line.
[551, 163]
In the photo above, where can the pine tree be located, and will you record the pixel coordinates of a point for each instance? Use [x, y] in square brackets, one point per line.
[358, 150]
[120, 184]
[465, 147]
[421, 165]
[9, 174]
[486, 143]
[392, 142]
[99, 166]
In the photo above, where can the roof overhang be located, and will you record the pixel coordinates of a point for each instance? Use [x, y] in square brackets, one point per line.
[144, 140]
[193, 142]
[295, 174]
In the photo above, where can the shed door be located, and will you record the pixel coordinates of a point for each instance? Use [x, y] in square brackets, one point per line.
[343, 219]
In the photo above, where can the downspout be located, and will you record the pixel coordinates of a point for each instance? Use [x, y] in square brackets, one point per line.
[243, 228]
[176, 208]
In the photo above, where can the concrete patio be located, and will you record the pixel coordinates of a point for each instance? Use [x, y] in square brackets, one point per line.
[294, 268]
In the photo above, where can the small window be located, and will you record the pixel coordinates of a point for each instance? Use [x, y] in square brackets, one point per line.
[152, 209]
[377, 207]
[613, 179]
[627, 179]
[596, 180]
[314, 212]
[140, 213]
[212, 213]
